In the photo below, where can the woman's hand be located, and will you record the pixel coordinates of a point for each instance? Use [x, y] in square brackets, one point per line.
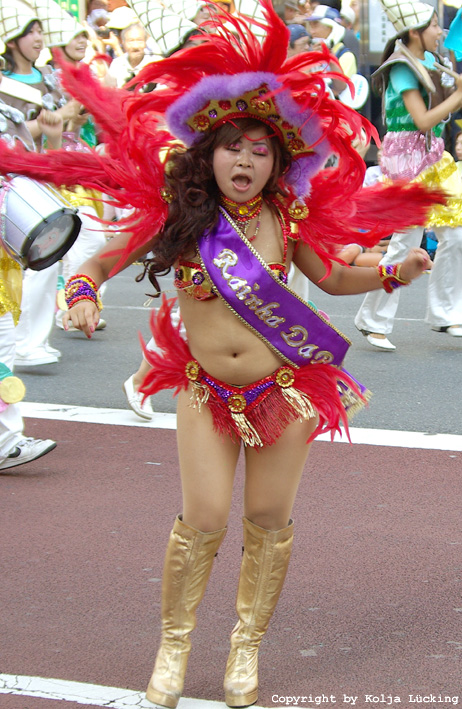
[84, 316]
[70, 111]
[77, 122]
[51, 126]
[416, 262]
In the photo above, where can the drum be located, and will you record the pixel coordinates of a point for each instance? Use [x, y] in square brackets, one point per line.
[38, 226]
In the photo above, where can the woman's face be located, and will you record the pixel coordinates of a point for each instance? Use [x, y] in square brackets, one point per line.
[458, 147]
[77, 47]
[30, 45]
[243, 167]
[431, 35]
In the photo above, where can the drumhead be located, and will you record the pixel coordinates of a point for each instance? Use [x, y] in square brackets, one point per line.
[49, 241]
[38, 225]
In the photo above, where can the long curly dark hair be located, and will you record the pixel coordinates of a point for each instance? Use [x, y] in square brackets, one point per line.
[194, 208]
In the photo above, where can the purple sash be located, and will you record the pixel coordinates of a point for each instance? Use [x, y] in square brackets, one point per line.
[288, 325]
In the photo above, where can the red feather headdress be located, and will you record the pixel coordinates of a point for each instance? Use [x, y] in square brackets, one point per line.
[230, 72]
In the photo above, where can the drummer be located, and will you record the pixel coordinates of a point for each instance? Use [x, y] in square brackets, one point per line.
[36, 92]
[15, 448]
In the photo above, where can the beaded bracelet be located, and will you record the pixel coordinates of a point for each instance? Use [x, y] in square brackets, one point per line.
[82, 287]
[390, 277]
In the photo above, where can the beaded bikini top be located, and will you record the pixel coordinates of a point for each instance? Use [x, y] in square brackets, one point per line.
[190, 278]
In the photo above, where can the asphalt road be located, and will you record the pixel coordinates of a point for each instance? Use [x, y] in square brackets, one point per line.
[415, 388]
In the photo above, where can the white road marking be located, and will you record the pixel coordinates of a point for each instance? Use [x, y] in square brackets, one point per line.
[126, 417]
[88, 414]
[90, 694]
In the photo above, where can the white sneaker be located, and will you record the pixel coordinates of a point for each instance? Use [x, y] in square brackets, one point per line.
[455, 330]
[135, 400]
[26, 450]
[53, 351]
[383, 343]
[40, 356]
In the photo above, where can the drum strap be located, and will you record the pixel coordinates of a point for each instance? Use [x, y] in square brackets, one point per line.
[17, 89]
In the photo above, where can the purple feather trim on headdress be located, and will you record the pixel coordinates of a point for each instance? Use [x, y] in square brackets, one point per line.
[221, 87]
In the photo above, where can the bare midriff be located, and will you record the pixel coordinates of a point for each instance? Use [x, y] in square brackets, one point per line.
[223, 345]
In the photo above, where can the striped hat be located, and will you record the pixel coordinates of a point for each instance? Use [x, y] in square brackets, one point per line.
[407, 15]
[15, 15]
[59, 27]
[166, 26]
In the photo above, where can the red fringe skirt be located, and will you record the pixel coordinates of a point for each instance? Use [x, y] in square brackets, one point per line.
[259, 412]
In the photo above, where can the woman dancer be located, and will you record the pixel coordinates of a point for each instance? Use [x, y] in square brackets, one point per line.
[416, 106]
[260, 367]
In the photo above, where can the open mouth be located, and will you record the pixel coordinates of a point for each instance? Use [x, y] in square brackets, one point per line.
[241, 182]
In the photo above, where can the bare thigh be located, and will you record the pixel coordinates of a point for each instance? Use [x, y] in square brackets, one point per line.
[207, 466]
[273, 475]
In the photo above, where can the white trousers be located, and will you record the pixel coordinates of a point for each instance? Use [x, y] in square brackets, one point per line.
[91, 239]
[444, 308]
[37, 310]
[298, 282]
[11, 421]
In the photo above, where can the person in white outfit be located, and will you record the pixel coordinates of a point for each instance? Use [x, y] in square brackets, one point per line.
[134, 59]
[37, 90]
[15, 447]
[413, 149]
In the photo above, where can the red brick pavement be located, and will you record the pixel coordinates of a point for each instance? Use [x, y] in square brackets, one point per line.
[372, 603]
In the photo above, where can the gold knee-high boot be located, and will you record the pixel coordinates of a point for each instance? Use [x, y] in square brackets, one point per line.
[263, 571]
[187, 567]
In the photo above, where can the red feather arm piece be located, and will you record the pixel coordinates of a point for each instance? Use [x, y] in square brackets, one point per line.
[56, 164]
[131, 170]
[119, 179]
[365, 218]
